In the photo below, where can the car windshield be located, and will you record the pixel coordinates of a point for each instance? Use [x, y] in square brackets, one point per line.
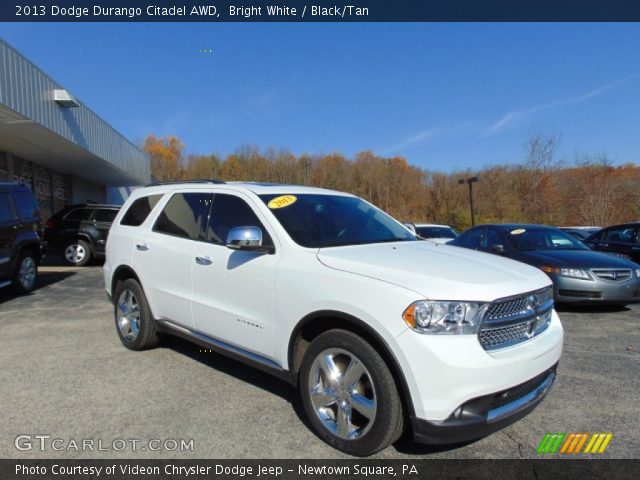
[318, 221]
[436, 232]
[536, 238]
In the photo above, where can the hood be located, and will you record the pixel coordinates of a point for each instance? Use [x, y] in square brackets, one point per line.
[584, 259]
[438, 272]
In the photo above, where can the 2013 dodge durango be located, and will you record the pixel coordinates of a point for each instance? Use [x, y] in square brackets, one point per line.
[379, 330]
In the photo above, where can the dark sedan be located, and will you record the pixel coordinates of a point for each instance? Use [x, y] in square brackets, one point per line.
[579, 274]
[620, 240]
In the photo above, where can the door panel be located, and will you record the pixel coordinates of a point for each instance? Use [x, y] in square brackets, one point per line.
[166, 263]
[233, 295]
[165, 253]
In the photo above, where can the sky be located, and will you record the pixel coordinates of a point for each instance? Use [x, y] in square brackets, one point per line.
[444, 96]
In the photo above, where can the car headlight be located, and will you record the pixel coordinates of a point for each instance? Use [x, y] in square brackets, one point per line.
[568, 272]
[638, 272]
[442, 318]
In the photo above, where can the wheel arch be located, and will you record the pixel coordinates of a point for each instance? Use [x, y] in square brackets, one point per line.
[321, 321]
[122, 273]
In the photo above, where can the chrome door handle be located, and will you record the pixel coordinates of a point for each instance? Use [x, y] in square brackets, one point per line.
[143, 247]
[204, 260]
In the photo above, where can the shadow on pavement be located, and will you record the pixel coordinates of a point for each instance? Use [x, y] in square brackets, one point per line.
[281, 388]
[240, 371]
[45, 278]
[56, 260]
[407, 445]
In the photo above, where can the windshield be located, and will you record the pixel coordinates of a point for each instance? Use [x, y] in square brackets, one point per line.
[436, 232]
[317, 221]
[536, 238]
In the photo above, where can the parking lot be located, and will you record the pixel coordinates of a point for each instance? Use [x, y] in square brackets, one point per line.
[65, 374]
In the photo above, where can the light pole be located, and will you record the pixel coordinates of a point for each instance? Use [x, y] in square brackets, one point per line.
[470, 181]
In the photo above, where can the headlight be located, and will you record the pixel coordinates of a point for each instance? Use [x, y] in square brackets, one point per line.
[438, 318]
[568, 272]
[638, 272]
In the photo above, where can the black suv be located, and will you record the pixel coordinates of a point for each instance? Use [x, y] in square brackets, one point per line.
[621, 240]
[79, 232]
[20, 240]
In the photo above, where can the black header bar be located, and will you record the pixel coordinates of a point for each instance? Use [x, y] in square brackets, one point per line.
[320, 11]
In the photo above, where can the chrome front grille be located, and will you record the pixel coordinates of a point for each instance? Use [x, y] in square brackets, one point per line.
[612, 274]
[507, 309]
[516, 319]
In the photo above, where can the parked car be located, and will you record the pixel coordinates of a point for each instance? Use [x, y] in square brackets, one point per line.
[620, 240]
[20, 240]
[436, 233]
[376, 329]
[78, 233]
[579, 274]
[581, 233]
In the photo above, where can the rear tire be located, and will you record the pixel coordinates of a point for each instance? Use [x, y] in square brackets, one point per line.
[25, 274]
[77, 253]
[349, 394]
[135, 325]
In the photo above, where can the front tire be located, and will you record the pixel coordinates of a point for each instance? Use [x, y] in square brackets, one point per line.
[77, 253]
[349, 394]
[26, 273]
[134, 323]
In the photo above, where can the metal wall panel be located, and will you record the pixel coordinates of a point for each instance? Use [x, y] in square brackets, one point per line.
[29, 91]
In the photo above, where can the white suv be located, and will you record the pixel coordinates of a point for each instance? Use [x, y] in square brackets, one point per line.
[378, 329]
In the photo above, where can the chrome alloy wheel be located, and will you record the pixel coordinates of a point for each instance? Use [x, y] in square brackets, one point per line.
[27, 273]
[75, 253]
[342, 393]
[128, 315]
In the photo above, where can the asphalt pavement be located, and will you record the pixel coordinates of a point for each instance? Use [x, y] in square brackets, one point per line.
[65, 375]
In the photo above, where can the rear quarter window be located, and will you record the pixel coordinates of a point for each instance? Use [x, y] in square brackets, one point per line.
[139, 210]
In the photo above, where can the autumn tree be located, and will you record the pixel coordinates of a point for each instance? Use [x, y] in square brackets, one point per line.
[165, 154]
[534, 190]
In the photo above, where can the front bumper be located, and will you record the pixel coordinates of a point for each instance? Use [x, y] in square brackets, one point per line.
[485, 415]
[444, 372]
[576, 291]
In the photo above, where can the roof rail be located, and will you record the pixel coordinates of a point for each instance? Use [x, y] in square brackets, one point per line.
[174, 182]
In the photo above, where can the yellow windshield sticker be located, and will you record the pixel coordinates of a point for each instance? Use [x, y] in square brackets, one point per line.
[281, 202]
[518, 231]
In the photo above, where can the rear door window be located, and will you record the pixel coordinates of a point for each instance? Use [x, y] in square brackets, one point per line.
[139, 210]
[183, 215]
[79, 214]
[105, 215]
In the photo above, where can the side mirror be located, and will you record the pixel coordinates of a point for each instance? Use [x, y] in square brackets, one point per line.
[411, 227]
[246, 238]
[499, 249]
